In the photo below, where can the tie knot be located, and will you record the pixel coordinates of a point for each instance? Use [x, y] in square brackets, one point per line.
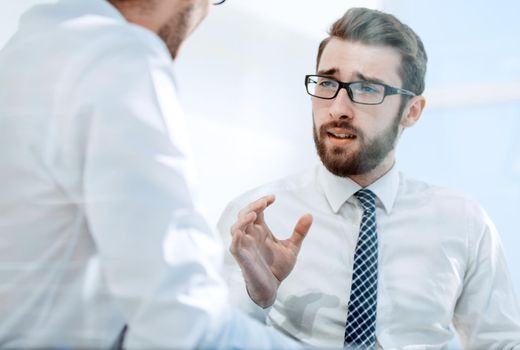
[367, 199]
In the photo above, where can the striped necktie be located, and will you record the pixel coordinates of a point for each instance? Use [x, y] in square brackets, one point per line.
[360, 332]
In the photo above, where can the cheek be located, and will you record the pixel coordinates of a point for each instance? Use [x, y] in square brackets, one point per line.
[318, 120]
[320, 113]
[377, 117]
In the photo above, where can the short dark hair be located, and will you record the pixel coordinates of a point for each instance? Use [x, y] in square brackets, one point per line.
[373, 27]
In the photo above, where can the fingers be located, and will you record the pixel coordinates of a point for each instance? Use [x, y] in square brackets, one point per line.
[243, 221]
[300, 230]
[241, 242]
[256, 207]
[238, 230]
[235, 242]
[260, 212]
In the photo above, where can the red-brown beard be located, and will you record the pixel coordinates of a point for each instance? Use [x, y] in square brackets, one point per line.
[345, 161]
[176, 30]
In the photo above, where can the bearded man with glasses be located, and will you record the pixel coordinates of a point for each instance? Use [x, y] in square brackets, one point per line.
[391, 262]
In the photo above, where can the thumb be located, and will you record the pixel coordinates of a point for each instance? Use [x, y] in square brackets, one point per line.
[300, 230]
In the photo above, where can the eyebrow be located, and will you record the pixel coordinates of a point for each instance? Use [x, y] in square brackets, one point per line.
[362, 77]
[330, 71]
[357, 75]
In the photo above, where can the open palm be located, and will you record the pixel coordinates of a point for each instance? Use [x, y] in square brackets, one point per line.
[264, 260]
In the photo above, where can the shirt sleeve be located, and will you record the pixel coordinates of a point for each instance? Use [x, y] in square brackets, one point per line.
[161, 262]
[232, 273]
[487, 315]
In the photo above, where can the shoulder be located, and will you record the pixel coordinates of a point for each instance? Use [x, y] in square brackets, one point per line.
[116, 56]
[83, 42]
[444, 203]
[413, 188]
[120, 43]
[86, 29]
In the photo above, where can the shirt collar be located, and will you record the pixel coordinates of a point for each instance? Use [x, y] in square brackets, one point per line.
[97, 7]
[103, 7]
[339, 189]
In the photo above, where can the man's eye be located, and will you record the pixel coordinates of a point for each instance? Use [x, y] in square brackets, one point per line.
[368, 88]
[328, 84]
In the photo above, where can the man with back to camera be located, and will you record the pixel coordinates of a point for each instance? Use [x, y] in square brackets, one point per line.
[392, 262]
[97, 225]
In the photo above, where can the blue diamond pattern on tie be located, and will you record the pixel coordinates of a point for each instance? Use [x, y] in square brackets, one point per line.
[360, 331]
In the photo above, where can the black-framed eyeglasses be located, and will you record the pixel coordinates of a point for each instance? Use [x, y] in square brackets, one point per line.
[363, 92]
[218, 2]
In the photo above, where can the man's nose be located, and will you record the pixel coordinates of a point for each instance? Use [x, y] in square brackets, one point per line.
[342, 106]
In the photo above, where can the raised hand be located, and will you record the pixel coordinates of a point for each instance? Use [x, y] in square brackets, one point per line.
[264, 260]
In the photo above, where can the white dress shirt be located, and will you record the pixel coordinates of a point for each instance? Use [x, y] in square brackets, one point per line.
[440, 262]
[97, 226]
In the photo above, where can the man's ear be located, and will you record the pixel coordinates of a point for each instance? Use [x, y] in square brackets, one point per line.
[413, 111]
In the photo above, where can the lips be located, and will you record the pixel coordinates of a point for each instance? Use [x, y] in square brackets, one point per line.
[341, 134]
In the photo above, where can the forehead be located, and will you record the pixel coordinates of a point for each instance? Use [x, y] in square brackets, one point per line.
[350, 59]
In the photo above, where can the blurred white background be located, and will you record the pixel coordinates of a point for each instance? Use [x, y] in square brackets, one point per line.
[240, 79]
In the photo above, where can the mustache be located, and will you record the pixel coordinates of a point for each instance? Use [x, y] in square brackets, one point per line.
[344, 124]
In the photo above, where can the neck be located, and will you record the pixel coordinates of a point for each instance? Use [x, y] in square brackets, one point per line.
[365, 180]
